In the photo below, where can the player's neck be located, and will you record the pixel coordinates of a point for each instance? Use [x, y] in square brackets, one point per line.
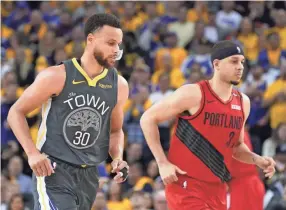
[90, 65]
[222, 89]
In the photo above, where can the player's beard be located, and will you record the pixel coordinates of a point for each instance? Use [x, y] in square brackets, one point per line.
[235, 83]
[98, 56]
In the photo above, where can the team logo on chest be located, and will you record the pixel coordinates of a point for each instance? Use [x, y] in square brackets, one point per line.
[83, 124]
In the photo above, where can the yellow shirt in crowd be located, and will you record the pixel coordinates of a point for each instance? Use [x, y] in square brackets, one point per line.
[178, 55]
[250, 43]
[277, 110]
[177, 78]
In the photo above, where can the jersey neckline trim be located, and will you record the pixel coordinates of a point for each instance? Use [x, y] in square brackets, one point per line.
[91, 82]
[216, 96]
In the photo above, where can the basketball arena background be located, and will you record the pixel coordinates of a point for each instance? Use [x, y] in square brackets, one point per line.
[166, 45]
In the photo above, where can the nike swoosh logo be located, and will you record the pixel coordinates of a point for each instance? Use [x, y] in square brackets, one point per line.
[78, 82]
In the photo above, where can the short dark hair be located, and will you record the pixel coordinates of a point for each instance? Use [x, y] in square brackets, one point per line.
[97, 21]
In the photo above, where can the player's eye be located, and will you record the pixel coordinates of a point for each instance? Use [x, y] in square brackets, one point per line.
[111, 43]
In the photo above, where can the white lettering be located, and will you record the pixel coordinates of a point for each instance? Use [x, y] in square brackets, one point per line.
[88, 100]
[77, 101]
[103, 109]
[68, 101]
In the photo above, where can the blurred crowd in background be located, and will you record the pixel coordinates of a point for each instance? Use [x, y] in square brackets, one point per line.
[166, 45]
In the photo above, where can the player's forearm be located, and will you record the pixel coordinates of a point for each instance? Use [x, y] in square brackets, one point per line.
[18, 123]
[116, 144]
[152, 136]
[243, 154]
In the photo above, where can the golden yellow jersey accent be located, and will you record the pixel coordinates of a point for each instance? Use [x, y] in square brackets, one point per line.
[91, 82]
[83, 166]
[104, 86]
[77, 82]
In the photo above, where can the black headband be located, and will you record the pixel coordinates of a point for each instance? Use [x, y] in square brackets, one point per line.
[226, 52]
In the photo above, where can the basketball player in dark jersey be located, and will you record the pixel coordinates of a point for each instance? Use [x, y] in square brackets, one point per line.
[82, 115]
[209, 133]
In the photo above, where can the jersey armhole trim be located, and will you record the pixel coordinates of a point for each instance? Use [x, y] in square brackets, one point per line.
[241, 103]
[115, 77]
[202, 105]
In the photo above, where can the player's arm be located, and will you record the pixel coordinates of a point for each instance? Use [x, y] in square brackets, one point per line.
[182, 99]
[116, 144]
[241, 151]
[46, 84]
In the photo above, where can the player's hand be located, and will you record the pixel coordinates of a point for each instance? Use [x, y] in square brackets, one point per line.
[267, 164]
[117, 165]
[168, 172]
[40, 164]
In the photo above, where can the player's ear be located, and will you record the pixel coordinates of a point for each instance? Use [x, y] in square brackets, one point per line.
[89, 38]
[216, 63]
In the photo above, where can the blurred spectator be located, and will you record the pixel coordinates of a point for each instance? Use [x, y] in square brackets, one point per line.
[50, 15]
[211, 31]
[23, 69]
[137, 200]
[270, 144]
[272, 56]
[227, 19]
[172, 9]
[196, 74]
[36, 28]
[16, 203]
[60, 55]
[16, 42]
[78, 39]
[160, 202]
[254, 87]
[15, 175]
[249, 40]
[280, 26]
[65, 26]
[130, 20]
[164, 91]
[153, 170]
[11, 189]
[9, 96]
[134, 109]
[19, 16]
[136, 180]
[275, 98]
[45, 51]
[6, 33]
[148, 203]
[100, 202]
[280, 151]
[199, 12]
[140, 77]
[201, 58]
[134, 152]
[115, 198]
[181, 26]
[260, 14]
[176, 77]
[178, 54]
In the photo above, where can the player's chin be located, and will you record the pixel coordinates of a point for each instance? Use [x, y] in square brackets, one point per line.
[111, 63]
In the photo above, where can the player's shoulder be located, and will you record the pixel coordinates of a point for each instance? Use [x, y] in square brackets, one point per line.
[123, 88]
[245, 99]
[53, 72]
[189, 91]
[122, 81]
[52, 77]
